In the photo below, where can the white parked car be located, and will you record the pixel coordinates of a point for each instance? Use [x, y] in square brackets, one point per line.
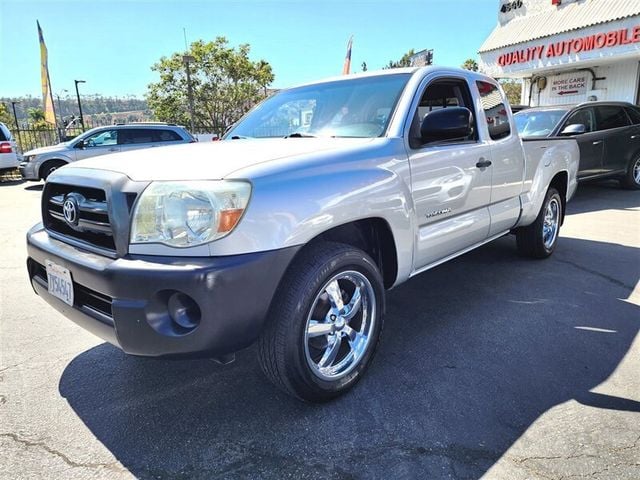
[9, 156]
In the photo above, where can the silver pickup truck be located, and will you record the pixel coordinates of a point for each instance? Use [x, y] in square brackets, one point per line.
[290, 229]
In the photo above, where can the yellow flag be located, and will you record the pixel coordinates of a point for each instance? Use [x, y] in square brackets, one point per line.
[47, 97]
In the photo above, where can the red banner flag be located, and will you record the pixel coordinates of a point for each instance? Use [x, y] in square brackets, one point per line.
[347, 60]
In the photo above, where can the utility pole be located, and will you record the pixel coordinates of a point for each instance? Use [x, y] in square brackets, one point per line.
[187, 59]
[80, 104]
[60, 106]
[15, 119]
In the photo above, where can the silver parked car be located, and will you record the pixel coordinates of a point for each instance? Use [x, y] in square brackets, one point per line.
[40, 162]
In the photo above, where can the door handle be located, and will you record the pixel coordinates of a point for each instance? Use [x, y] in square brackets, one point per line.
[597, 142]
[113, 149]
[482, 163]
[633, 137]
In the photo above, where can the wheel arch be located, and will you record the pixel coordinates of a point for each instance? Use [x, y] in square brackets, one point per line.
[560, 182]
[373, 236]
[49, 161]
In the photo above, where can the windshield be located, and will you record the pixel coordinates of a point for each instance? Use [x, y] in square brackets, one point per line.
[359, 107]
[538, 123]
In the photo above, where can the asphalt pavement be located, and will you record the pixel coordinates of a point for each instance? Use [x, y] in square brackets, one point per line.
[490, 366]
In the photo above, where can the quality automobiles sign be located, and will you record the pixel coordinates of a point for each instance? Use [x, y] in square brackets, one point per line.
[596, 41]
[575, 84]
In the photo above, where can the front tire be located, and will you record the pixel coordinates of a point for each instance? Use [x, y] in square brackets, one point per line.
[539, 239]
[324, 324]
[632, 179]
[49, 167]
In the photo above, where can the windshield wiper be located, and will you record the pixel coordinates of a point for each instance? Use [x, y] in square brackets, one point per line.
[299, 135]
[239, 137]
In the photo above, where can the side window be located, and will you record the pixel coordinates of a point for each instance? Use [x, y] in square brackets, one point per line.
[611, 116]
[4, 134]
[584, 116]
[443, 94]
[102, 139]
[634, 114]
[129, 136]
[494, 110]
[165, 136]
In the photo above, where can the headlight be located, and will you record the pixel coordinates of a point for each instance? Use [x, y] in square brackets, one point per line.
[29, 158]
[188, 213]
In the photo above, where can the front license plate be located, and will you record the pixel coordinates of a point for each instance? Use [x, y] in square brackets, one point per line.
[60, 284]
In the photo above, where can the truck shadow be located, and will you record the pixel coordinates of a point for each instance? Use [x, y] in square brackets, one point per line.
[603, 195]
[472, 354]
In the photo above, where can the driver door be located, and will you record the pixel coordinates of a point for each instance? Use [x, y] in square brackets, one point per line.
[450, 186]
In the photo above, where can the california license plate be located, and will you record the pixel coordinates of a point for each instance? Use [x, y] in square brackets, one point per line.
[60, 284]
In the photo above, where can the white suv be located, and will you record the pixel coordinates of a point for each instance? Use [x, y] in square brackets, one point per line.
[40, 162]
[9, 157]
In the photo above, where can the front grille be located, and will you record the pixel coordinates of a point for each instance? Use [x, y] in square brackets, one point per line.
[92, 226]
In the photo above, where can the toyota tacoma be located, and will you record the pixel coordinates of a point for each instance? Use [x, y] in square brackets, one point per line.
[289, 231]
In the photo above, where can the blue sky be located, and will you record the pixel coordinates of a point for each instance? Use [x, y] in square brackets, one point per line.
[112, 44]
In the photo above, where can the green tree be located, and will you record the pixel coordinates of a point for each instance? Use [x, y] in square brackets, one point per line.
[6, 116]
[470, 64]
[225, 84]
[405, 60]
[512, 88]
[36, 119]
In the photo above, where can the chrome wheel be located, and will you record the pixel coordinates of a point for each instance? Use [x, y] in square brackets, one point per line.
[636, 172]
[551, 223]
[340, 325]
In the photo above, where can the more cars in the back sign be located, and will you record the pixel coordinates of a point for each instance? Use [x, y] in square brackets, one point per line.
[39, 163]
[608, 134]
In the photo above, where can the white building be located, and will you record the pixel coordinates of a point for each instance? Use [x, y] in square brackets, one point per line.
[567, 51]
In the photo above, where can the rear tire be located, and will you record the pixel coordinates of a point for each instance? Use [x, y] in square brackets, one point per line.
[632, 179]
[49, 167]
[539, 239]
[324, 323]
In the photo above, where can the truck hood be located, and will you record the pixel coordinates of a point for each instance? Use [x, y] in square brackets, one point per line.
[212, 160]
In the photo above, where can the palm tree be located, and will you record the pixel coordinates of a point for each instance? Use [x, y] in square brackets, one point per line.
[470, 64]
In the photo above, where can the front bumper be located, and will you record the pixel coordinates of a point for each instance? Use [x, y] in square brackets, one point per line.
[125, 301]
[28, 170]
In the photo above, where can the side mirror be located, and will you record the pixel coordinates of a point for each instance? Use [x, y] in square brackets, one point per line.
[80, 145]
[573, 129]
[446, 124]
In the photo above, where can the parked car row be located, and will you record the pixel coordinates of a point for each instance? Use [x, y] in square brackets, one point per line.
[608, 134]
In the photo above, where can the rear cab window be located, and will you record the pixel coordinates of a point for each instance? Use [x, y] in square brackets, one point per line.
[495, 110]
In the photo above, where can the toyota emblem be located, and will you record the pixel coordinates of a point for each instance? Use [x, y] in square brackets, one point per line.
[70, 211]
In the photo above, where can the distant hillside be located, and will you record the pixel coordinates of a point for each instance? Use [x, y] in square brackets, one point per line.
[94, 106]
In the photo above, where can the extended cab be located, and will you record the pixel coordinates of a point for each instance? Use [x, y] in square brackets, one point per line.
[290, 230]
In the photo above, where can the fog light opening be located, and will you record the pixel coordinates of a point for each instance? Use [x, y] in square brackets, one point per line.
[184, 311]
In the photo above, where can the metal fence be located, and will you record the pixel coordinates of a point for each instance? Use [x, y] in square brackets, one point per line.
[29, 137]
